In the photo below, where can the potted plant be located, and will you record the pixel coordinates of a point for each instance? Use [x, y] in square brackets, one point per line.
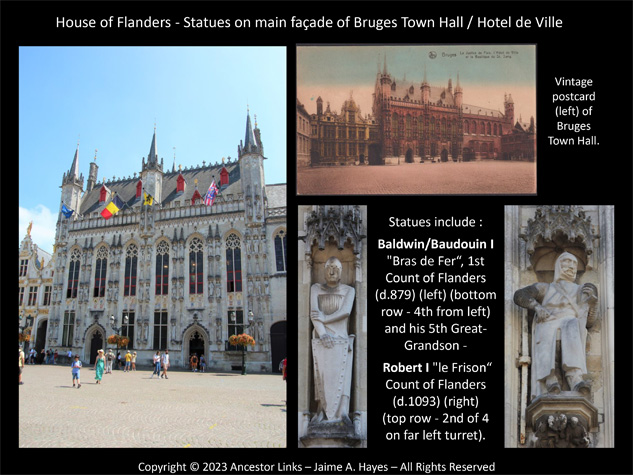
[242, 340]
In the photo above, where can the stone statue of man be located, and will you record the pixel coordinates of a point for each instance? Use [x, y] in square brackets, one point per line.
[563, 310]
[332, 348]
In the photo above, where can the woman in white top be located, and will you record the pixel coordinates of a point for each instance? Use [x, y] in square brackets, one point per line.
[156, 365]
[165, 364]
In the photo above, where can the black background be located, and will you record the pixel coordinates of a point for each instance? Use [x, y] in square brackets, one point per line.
[595, 42]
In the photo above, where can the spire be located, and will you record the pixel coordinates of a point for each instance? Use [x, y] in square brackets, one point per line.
[152, 156]
[384, 67]
[74, 168]
[249, 140]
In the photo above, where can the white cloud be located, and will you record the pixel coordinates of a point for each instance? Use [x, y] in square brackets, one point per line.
[43, 231]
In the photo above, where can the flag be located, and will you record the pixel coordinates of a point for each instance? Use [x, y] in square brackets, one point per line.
[113, 208]
[67, 212]
[148, 199]
[211, 194]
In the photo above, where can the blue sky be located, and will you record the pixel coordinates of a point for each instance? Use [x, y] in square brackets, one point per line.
[109, 99]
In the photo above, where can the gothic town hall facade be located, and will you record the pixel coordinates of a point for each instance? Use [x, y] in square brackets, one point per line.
[177, 274]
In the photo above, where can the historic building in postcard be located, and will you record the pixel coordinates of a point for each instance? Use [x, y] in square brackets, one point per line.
[344, 138]
[413, 121]
[154, 259]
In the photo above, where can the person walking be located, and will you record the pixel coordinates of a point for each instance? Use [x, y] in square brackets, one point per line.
[32, 355]
[99, 366]
[20, 364]
[133, 361]
[76, 366]
[194, 362]
[128, 362]
[55, 355]
[118, 360]
[203, 363]
[283, 369]
[156, 365]
[109, 360]
[165, 364]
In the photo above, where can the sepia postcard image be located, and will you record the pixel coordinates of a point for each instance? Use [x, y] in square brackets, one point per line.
[469, 109]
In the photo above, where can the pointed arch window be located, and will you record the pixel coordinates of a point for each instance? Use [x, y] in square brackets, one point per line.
[233, 263]
[162, 268]
[195, 266]
[73, 274]
[281, 255]
[101, 266]
[131, 263]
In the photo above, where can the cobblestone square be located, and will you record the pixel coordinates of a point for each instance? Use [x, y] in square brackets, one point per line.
[131, 410]
[481, 177]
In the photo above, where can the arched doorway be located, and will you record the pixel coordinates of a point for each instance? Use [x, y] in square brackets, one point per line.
[361, 159]
[96, 344]
[444, 155]
[195, 340]
[278, 344]
[409, 156]
[40, 337]
[196, 344]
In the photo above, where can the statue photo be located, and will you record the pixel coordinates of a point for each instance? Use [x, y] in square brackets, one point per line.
[563, 311]
[332, 348]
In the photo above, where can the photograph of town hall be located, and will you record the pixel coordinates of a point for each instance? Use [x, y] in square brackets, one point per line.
[451, 119]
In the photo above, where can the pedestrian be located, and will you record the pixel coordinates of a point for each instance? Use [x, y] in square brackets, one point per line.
[42, 356]
[128, 362]
[76, 366]
[134, 361]
[156, 365]
[55, 357]
[203, 363]
[109, 360]
[165, 364]
[194, 362]
[99, 366]
[118, 360]
[32, 355]
[20, 364]
[48, 357]
[70, 355]
[283, 370]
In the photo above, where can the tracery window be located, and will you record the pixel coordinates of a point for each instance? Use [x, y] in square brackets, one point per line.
[196, 268]
[281, 255]
[233, 263]
[73, 274]
[162, 268]
[101, 266]
[131, 262]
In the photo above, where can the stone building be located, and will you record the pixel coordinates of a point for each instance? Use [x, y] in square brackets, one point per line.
[347, 138]
[327, 232]
[520, 143]
[563, 414]
[410, 122]
[35, 290]
[303, 136]
[168, 271]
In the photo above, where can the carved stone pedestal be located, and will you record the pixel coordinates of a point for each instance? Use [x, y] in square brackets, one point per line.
[564, 420]
[339, 434]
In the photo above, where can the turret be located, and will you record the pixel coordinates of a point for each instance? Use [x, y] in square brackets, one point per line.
[72, 184]
[509, 108]
[319, 106]
[459, 96]
[92, 175]
[152, 172]
[251, 162]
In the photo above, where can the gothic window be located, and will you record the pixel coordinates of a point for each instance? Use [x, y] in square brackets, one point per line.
[488, 129]
[281, 253]
[100, 272]
[495, 129]
[69, 328]
[474, 131]
[127, 329]
[24, 265]
[47, 296]
[21, 296]
[233, 263]
[466, 127]
[195, 266]
[394, 125]
[73, 274]
[500, 131]
[32, 296]
[162, 268]
[408, 126]
[131, 261]
[160, 330]
[351, 117]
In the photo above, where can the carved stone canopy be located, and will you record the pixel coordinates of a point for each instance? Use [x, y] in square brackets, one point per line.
[337, 223]
[558, 229]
